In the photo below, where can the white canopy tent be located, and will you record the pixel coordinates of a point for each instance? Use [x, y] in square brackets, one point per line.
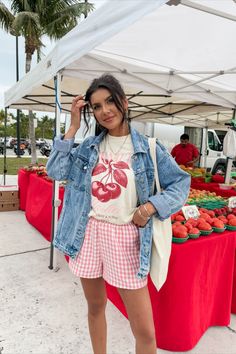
[176, 63]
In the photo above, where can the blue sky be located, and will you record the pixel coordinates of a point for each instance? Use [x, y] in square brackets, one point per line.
[8, 59]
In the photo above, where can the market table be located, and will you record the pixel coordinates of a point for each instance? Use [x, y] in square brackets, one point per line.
[197, 293]
[199, 287]
[23, 183]
[233, 307]
[214, 187]
[38, 209]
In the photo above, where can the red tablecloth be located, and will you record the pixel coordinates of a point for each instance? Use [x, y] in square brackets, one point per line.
[199, 286]
[23, 183]
[214, 187]
[39, 204]
[197, 293]
[233, 307]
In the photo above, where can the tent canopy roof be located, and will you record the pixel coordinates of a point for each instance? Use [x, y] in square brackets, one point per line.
[176, 63]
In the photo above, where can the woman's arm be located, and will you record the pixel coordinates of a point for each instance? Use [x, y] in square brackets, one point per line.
[61, 159]
[175, 184]
[62, 156]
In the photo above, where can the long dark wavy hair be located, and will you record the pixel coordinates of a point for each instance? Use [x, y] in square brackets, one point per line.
[110, 83]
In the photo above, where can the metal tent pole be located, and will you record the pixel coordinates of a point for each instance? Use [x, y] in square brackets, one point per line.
[17, 111]
[205, 150]
[229, 162]
[55, 199]
[5, 148]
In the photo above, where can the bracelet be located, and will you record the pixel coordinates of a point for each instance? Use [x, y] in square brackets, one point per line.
[145, 208]
[142, 216]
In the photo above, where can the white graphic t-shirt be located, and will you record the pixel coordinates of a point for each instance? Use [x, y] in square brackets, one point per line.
[114, 197]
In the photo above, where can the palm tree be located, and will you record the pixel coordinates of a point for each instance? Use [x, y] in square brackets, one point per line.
[34, 18]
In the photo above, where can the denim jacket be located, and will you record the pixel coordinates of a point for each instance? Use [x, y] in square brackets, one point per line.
[76, 165]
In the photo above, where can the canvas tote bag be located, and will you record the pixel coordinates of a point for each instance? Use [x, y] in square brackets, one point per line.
[229, 144]
[162, 235]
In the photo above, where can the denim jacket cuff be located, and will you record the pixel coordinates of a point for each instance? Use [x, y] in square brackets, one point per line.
[162, 207]
[63, 145]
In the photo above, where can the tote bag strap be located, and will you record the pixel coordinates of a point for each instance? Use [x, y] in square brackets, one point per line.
[161, 235]
[152, 146]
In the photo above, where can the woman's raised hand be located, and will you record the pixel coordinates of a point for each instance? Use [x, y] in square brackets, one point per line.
[77, 104]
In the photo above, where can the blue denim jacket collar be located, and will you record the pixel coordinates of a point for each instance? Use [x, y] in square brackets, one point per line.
[138, 142]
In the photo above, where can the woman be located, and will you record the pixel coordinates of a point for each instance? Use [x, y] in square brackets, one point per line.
[105, 225]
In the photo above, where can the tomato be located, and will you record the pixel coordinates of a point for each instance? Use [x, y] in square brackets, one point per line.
[204, 226]
[219, 224]
[182, 228]
[192, 221]
[211, 213]
[179, 233]
[189, 226]
[232, 222]
[176, 223]
[210, 220]
[223, 218]
[199, 220]
[205, 216]
[180, 218]
[231, 216]
[203, 210]
[195, 231]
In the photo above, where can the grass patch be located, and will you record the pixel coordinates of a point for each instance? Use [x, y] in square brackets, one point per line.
[15, 163]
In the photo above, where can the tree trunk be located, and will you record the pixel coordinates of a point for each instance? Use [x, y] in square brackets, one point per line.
[31, 117]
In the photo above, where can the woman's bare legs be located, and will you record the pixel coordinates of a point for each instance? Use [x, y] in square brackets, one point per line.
[95, 294]
[139, 309]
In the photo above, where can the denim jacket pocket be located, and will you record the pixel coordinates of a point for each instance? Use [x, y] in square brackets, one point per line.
[78, 173]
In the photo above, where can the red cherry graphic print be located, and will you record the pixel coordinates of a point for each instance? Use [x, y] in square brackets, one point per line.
[99, 169]
[115, 190]
[121, 177]
[103, 194]
[114, 177]
[95, 186]
[121, 164]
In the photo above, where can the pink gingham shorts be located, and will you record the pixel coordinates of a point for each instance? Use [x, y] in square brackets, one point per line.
[110, 251]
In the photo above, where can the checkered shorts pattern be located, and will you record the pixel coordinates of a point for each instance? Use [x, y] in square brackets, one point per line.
[110, 251]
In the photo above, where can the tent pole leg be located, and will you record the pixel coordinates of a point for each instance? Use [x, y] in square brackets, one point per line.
[52, 229]
[55, 198]
[5, 148]
[228, 170]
